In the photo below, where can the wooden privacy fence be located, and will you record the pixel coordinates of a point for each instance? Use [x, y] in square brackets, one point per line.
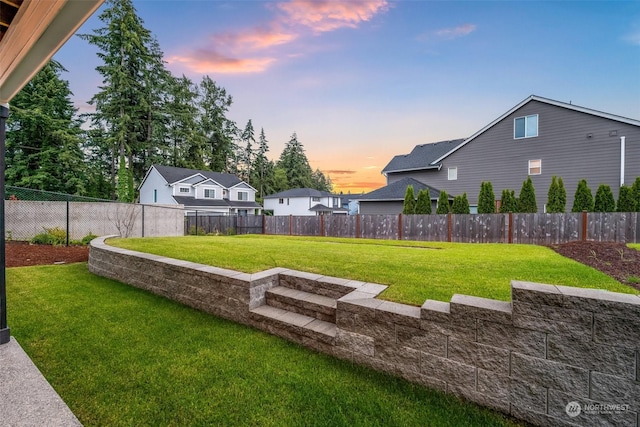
[538, 228]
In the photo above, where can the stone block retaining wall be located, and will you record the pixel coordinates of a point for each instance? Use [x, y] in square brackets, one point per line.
[555, 355]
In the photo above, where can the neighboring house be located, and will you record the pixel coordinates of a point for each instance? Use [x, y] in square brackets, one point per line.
[204, 191]
[304, 201]
[349, 202]
[539, 138]
[390, 199]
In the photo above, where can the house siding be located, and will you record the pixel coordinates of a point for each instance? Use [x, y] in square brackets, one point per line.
[155, 181]
[562, 145]
[381, 208]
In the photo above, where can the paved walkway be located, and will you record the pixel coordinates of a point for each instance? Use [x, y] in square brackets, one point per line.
[26, 398]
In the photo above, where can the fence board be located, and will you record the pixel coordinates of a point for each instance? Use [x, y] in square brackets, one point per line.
[424, 227]
[340, 225]
[379, 227]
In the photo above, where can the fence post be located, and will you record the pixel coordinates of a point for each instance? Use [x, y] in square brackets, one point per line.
[264, 224]
[358, 231]
[290, 224]
[142, 220]
[322, 225]
[399, 226]
[584, 226]
[449, 227]
[510, 227]
[196, 222]
[67, 220]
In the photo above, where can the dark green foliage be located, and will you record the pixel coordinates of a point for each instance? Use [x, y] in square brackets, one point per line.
[460, 204]
[527, 198]
[486, 199]
[52, 236]
[261, 175]
[604, 200]
[508, 201]
[443, 203]
[583, 200]
[423, 205]
[125, 183]
[409, 205]
[43, 136]
[626, 202]
[294, 162]
[635, 193]
[321, 182]
[557, 196]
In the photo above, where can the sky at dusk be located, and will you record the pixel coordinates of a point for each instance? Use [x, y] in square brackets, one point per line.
[362, 81]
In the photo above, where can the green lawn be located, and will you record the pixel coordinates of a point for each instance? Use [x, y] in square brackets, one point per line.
[415, 271]
[120, 356]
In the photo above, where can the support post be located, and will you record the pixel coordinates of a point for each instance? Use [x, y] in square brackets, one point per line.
[449, 227]
[510, 227]
[358, 232]
[5, 333]
[68, 230]
[584, 226]
[142, 220]
[399, 226]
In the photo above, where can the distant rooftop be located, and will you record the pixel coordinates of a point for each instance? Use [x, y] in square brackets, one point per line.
[421, 157]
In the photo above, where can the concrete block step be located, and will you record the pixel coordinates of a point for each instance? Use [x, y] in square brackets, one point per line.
[301, 302]
[295, 324]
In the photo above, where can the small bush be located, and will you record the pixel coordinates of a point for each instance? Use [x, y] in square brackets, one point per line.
[88, 238]
[199, 232]
[51, 236]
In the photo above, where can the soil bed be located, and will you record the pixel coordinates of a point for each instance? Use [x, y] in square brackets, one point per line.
[20, 254]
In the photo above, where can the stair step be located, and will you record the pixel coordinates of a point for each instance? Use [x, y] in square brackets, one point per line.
[301, 302]
[296, 323]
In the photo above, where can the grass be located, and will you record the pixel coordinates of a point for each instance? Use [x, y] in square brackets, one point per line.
[414, 271]
[120, 356]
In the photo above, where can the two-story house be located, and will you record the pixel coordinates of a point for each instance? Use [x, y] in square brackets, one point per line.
[537, 138]
[304, 202]
[215, 193]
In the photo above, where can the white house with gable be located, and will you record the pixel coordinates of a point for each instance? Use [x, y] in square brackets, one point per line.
[304, 202]
[215, 193]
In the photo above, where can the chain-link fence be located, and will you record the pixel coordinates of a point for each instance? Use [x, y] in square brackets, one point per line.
[30, 213]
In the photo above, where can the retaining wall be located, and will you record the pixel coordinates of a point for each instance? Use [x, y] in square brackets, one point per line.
[555, 355]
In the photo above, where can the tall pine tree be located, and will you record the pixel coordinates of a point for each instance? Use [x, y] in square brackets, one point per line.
[409, 205]
[294, 162]
[583, 199]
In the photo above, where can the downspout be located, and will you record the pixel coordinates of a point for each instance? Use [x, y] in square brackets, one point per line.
[622, 151]
[5, 334]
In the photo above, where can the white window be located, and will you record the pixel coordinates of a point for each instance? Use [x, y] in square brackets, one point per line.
[315, 199]
[209, 193]
[243, 195]
[525, 127]
[452, 174]
[535, 167]
[183, 190]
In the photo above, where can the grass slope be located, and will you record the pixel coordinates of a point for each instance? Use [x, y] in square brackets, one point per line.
[120, 356]
[415, 271]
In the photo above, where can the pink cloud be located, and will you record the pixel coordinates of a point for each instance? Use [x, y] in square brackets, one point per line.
[257, 38]
[327, 15]
[460, 31]
[207, 61]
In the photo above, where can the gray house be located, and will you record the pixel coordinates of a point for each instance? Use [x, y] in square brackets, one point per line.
[539, 138]
[390, 198]
[215, 193]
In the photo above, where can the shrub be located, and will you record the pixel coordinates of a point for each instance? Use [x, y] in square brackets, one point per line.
[88, 238]
[527, 199]
[51, 236]
[583, 200]
[486, 199]
[443, 203]
[409, 205]
[626, 202]
[423, 205]
[460, 204]
[557, 196]
[635, 191]
[508, 201]
[604, 201]
[199, 232]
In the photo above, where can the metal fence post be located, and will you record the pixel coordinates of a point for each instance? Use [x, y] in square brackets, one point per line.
[5, 334]
[142, 220]
[68, 232]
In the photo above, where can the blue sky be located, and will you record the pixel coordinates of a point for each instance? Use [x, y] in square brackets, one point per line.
[362, 81]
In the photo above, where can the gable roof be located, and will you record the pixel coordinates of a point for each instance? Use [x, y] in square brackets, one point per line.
[173, 175]
[299, 192]
[548, 101]
[191, 202]
[421, 157]
[397, 191]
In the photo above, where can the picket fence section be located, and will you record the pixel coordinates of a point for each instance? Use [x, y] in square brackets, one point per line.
[526, 228]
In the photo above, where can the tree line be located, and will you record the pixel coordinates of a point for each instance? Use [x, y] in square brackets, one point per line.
[584, 200]
[143, 116]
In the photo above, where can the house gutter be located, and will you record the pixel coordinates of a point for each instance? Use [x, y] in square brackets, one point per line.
[622, 152]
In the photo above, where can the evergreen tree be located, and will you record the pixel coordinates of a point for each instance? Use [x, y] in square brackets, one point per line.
[527, 198]
[187, 144]
[409, 205]
[280, 181]
[486, 199]
[294, 162]
[43, 148]
[635, 193]
[260, 172]
[248, 156]
[562, 196]
[604, 200]
[125, 182]
[508, 201]
[443, 203]
[460, 204]
[321, 182]
[219, 132]
[423, 205]
[626, 202]
[131, 60]
[557, 196]
[582, 200]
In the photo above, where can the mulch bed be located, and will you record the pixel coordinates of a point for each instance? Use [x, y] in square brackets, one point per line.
[614, 259]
